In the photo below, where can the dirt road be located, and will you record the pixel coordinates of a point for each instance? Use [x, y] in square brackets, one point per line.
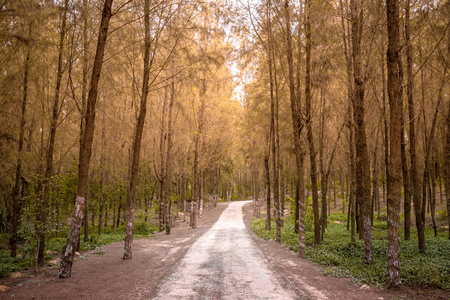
[224, 263]
[220, 259]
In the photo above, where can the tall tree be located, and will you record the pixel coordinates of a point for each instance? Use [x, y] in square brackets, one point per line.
[405, 169]
[447, 146]
[65, 268]
[308, 121]
[168, 179]
[297, 129]
[197, 153]
[84, 88]
[42, 214]
[395, 162]
[16, 206]
[267, 177]
[136, 148]
[347, 46]
[362, 155]
[274, 121]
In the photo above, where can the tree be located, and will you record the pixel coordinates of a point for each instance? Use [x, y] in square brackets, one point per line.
[362, 156]
[308, 121]
[274, 101]
[136, 148]
[65, 268]
[395, 163]
[16, 201]
[42, 214]
[447, 145]
[297, 127]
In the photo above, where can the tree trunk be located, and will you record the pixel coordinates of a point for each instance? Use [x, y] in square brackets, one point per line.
[299, 150]
[83, 94]
[395, 161]
[183, 194]
[136, 148]
[16, 206]
[433, 202]
[447, 162]
[267, 169]
[405, 171]
[334, 190]
[162, 174]
[341, 185]
[118, 212]
[41, 217]
[308, 121]
[106, 209]
[375, 189]
[428, 171]
[201, 189]
[273, 123]
[447, 147]
[323, 179]
[101, 204]
[352, 195]
[168, 180]
[386, 186]
[362, 156]
[282, 191]
[351, 184]
[196, 175]
[65, 268]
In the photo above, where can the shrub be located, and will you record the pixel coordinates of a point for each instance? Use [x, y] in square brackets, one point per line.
[442, 214]
[343, 258]
[142, 228]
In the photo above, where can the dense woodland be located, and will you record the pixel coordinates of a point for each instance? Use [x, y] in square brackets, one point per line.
[117, 112]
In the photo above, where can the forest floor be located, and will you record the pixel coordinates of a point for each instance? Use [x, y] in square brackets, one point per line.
[162, 261]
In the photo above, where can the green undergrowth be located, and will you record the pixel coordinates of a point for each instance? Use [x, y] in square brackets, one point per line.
[342, 258]
[27, 251]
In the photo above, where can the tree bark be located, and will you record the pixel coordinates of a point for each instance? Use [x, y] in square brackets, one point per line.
[323, 178]
[432, 187]
[352, 195]
[65, 268]
[375, 181]
[273, 124]
[386, 186]
[267, 169]
[405, 170]
[198, 137]
[395, 162]
[447, 145]
[297, 126]
[362, 156]
[308, 121]
[136, 148]
[350, 124]
[16, 206]
[41, 217]
[83, 96]
[162, 174]
[447, 159]
[168, 180]
[102, 201]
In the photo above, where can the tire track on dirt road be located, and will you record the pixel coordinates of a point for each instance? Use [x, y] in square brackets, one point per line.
[224, 263]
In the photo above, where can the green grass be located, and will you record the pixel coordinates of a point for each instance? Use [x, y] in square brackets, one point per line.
[342, 258]
[26, 257]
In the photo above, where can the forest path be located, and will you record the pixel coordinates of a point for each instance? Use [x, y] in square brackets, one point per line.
[224, 263]
[220, 259]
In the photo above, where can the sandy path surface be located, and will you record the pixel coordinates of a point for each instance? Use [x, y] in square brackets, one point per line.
[221, 259]
[224, 263]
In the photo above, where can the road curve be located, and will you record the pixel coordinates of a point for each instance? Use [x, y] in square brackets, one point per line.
[224, 263]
